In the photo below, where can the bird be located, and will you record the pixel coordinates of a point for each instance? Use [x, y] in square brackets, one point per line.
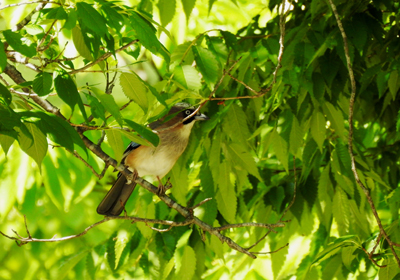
[174, 131]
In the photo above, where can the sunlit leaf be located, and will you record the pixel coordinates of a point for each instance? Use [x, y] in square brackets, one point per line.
[235, 124]
[167, 10]
[336, 119]
[226, 196]
[340, 209]
[36, 148]
[114, 139]
[188, 6]
[187, 77]
[134, 89]
[280, 148]
[79, 43]
[243, 159]
[185, 262]
[318, 129]
[67, 265]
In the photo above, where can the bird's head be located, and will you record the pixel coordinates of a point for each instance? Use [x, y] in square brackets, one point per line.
[177, 115]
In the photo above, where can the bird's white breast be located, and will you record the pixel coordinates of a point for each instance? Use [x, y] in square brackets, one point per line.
[158, 161]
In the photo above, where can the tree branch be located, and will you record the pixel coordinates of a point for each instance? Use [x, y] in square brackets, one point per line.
[351, 131]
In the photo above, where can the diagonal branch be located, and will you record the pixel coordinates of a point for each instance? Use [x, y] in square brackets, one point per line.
[351, 131]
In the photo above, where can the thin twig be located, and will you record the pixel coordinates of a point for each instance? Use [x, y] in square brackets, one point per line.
[269, 226]
[101, 175]
[103, 57]
[351, 131]
[265, 253]
[26, 3]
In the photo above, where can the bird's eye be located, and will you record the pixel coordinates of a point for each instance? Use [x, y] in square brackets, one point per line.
[188, 112]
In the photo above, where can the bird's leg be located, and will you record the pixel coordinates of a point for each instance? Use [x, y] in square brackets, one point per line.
[161, 188]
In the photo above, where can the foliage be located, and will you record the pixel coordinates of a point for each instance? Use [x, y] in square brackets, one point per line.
[108, 64]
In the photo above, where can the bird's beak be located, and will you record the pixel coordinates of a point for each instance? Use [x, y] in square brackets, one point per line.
[201, 117]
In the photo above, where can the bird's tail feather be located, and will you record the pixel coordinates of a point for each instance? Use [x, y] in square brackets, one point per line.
[116, 198]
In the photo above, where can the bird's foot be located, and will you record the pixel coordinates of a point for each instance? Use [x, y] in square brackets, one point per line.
[162, 188]
[168, 184]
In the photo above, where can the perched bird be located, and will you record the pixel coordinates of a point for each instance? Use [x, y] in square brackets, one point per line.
[149, 160]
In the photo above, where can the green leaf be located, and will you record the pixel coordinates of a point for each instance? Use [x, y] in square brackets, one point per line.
[91, 19]
[187, 77]
[70, 23]
[318, 129]
[334, 247]
[112, 15]
[226, 195]
[42, 83]
[296, 136]
[146, 34]
[5, 95]
[394, 83]
[109, 103]
[145, 132]
[235, 124]
[390, 271]
[3, 58]
[68, 264]
[6, 141]
[36, 148]
[340, 210]
[182, 54]
[230, 39]
[166, 9]
[185, 262]
[90, 267]
[111, 258]
[96, 107]
[114, 139]
[66, 89]
[280, 147]
[57, 13]
[135, 138]
[134, 89]
[188, 6]
[15, 40]
[8, 118]
[57, 129]
[336, 119]
[243, 159]
[207, 64]
[80, 44]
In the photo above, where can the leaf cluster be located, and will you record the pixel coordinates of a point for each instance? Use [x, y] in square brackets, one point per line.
[88, 59]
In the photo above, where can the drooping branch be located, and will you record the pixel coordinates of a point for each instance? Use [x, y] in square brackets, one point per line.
[351, 131]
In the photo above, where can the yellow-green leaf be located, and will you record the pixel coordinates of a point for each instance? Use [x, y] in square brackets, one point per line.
[36, 147]
[318, 129]
[135, 89]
